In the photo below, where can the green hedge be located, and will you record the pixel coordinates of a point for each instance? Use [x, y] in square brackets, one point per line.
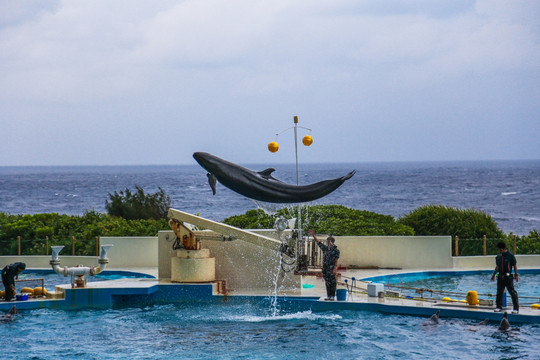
[326, 219]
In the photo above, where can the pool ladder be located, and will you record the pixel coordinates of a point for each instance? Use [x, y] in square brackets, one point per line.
[350, 289]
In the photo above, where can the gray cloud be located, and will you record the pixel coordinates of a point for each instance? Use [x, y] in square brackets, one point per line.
[138, 82]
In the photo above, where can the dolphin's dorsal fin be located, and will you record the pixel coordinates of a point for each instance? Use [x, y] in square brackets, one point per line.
[267, 174]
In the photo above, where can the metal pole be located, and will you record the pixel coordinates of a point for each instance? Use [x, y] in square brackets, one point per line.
[297, 183]
[296, 148]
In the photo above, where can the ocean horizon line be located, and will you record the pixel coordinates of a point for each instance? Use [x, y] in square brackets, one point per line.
[493, 161]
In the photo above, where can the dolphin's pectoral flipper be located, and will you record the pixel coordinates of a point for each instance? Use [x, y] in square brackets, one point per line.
[212, 181]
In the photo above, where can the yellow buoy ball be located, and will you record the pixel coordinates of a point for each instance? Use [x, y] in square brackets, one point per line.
[40, 291]
[535, 306]
[446, 299]
[307, 140]
[273, 146]
[472, 297]
[27, 290]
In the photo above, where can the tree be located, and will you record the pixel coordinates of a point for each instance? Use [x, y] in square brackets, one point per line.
[138, 205]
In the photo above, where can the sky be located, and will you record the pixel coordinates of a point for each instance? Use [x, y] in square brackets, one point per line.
[133, 82]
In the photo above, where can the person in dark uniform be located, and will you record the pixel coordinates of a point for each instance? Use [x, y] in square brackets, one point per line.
[504, 262]
[329, 269]
[9, 274]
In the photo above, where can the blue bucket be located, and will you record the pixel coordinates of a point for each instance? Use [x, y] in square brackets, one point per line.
[341, 294]
[22, 297]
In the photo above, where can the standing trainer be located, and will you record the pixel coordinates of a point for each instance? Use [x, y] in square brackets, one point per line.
[329, 269]
[504, 262]
[9, 273]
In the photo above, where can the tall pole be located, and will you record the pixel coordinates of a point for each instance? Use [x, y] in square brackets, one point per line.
[297, 183]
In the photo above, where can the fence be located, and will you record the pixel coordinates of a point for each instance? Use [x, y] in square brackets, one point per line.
[485, 246]
[22, 247]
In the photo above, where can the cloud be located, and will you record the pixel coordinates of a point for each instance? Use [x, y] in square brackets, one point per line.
[112, 73]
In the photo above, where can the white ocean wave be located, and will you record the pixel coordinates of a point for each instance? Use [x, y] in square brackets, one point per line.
[529, 218]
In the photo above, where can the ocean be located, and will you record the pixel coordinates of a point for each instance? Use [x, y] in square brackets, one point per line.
[509, 191]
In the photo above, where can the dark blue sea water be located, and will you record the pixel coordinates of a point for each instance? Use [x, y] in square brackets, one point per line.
[507, 190]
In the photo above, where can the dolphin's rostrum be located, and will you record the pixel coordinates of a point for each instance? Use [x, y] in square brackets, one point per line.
[262, 185]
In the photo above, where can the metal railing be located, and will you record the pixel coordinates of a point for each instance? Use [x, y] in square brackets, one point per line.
[25, 247]
[485, 246]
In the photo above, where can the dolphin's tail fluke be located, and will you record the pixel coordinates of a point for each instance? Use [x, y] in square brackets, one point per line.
[349, 175]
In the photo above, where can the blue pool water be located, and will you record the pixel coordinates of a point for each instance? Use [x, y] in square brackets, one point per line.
[240, 329]
[51, 279]
[528, 286]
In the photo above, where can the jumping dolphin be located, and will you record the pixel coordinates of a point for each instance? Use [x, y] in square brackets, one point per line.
[262, 185]
[505, 324]
[10, 315]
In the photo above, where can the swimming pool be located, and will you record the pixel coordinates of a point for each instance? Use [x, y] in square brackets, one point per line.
[51, 279]
[253, 329]
[456, 284]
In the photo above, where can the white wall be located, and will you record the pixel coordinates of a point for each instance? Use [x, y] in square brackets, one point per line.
[127, 252]
[413, 252]
[247, 266]
[132, 251]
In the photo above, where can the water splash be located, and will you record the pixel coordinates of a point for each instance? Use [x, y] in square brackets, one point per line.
[302, 315]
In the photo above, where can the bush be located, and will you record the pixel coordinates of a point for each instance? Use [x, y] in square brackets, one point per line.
[526, 244]
[442, 220]
[337, 220]
[138, 205]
